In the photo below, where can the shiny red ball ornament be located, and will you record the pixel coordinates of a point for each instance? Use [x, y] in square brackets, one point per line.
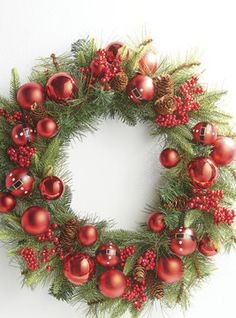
[46, 127]
[156, 222]
[23, 134]
[112, 283]
[203, 172]
[141, 88]
[35, 220]
[204, 133]
[51, 188]
[169, 158]
[61, 87]
[88, 234]
[29, 94]
[113, 50]
[207, 247]
[170, 269]
[78, 268]
[108, 255]
[19, 182]
[183, 241]
[7, 202]
[224, 151]
[148, 64]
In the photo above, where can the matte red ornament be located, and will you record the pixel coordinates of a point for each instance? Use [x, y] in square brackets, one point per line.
[169, 158]
[35, 220]
[51, 188]
[224, 151]
[79, 268]
[19, 182]
[46, 127]
[170, 269]
[29, 94]
[183, 241]
[23, 134]
[97, 68]
[7, 202]
[112, 283]
[204, 133]
[148, 64]
[141, 88]
[108, 255]
[207, 247]
[156, 222]
[88, 234]
[61, 87]
[203, 172]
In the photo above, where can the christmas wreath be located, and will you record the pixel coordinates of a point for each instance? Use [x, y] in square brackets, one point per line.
[84, 259]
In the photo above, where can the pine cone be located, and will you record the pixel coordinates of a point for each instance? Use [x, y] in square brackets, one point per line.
[120, 82]
[180, 203]
[164, 85]
[38, 112]
[139, 273]
[69, 232]
[154, 286]
[165, 105]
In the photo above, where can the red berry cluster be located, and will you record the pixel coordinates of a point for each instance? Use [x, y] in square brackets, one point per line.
[135, 293]
[126, 252]
[147, 260]
[206, 200]
[17, 116]
[223, 214]
[30, 257]
[21, 155]
[46, 255]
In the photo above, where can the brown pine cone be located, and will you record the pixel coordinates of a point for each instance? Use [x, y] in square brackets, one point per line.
[154, 286]
[139, 273]
[38, 112]
[120, 82]
[165, 85]
[165, 105]
[69, 232]
[180, 203]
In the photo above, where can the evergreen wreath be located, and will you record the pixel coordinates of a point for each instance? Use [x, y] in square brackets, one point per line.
[84, 259]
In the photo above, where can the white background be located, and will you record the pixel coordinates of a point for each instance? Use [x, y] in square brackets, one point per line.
[115, 170]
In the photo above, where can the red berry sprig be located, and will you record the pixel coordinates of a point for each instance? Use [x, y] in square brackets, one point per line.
[148, 260]
[21, 155]
[30, 257]
[135, 293]
[224, 215]
[206, 200]
[125, 253]
[16, 117]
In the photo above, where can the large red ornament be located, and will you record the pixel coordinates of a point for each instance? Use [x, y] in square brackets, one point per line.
[7, 202]
[203, 172]
[148, 64]
[207, 247]
[141, 88]
[51, 188]
[61, 87]
[88, 234]
[78, 268]
[23, 134]
[170, 269]
[35, 220]
[46, 127]
[112, 283]
[205, 133]
[113, 50]
[183, 241]
[108, 255]
[156, 222]
[19, 182]
[29, 94]
[224, 151]
[169, 158]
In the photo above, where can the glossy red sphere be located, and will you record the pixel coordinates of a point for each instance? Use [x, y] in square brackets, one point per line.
[205, 133]
[113, 50]
[88, 234]
[148, 64]
[156, 222]
[61, 87]
[141, 88]
[183, 241]
[224, 150]
[30, 93]
[108, 255]
[7, 202]
[169, 158]
[35, 220]
[170, 269]
[46, 127]
[51, 188]
[112, 283]
[19, 182]
[23, 134]
[207, 247]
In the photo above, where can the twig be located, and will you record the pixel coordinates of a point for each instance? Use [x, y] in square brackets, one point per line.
[54, 61]
[180, 293]
[183, 66]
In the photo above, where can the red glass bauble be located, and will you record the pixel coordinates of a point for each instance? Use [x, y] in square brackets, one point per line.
[112, 283]
[203, 172]
[78, 268]
[170, 269]
[88, 234]
[207, 247]
[61, 87]
[156, 222]
[35, 220]
[46, 127]
[223, 152]
[51, 188]
[29, 94]
[113, 50]
[23, 134]
[108, 255]
[7, 202]
[19, 182]
[169, 158]
[141, 88]
[205, 133]
[148, 64]
[183, 241]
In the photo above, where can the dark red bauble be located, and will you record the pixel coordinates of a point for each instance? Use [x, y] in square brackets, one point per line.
[61, 87]
[112, 283]
[156, 222]
[203, 172]
[79, 268]
[46, 127]
[223, 152]
[29, 94]
[183, 241]
[141, 88]
[113, 50]
[51, 188]
[88, 234]
[169, 158]
[23, 134]
[148, 64]
[97, 68]
[108, 255]
[207, 247]
[7, 202]
[204, 133]
[35, 220]
[19, 182]
[170, 269]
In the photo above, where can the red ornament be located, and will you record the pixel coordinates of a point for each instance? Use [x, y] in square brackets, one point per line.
[224, 151]
[23, 134]
[112, 283]
[148, 63]
[47, 127]
[203, 172]
[141, 88]
[170, 269]
[205, 133]
[183, 241]
[78, 268]
[35, 220]
[88, 234]
[51, 188]
[169, 158]
[108, 255]
[7, 202]
[97, 68]
[61, 87]
[19, 182]
[30, 93]
[156, 222]
[207, 247]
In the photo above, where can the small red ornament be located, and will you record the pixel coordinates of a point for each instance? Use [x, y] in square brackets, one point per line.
[224, 151]
[78, 268]
[203, 172]
[170, 269]
[88, 234]
[23, 134]
[169, 158]
[207, 247]
[19, 182]
[61, 87]
[97, 68]
[7, 202]
[112, 283]
[148, 64]
[30, 93]
[183, 241]
[51, 188]
[156, 222]
[46, 127]
[141, 88]
[205, 133]
[108, 255]
[35, 220]
[112, 50]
